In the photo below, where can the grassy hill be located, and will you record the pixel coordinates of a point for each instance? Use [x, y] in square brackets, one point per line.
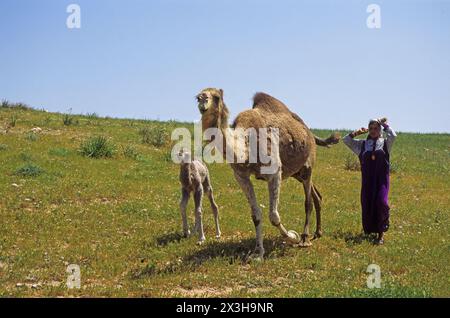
[117, 217]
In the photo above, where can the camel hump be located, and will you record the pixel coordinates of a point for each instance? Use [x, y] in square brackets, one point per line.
[266, 102]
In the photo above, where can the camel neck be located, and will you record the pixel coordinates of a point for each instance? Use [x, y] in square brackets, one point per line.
[218, 120]
[224, 131]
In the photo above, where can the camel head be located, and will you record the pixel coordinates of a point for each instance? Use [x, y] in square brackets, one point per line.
[184, 156]
[212, 108]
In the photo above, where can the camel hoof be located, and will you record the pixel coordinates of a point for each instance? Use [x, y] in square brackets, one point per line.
[305, 244]
[318, 234]
[305, 241]
[201, 241]
[256, 258]
[218, 236]
[293, 237]
[187, 234]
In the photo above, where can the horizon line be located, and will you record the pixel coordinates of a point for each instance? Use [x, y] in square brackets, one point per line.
[191, 121]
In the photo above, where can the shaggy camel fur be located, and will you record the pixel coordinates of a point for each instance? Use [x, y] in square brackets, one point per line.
[194, 177]
[297, 154]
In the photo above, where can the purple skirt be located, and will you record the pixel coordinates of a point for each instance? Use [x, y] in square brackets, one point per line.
[375, 190]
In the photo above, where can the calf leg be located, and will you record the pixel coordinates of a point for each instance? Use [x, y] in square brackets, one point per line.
[198, 194]
[183, 205]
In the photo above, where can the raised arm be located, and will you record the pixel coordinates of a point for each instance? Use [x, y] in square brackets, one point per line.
[390, 136]
[355, 144]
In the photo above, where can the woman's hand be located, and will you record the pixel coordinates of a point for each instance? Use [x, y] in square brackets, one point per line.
[383, 122]
[360, 131]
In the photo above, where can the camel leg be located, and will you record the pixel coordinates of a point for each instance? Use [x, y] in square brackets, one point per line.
[208, 188]
[247, 187]
[274, 185]
[183, 205]
[307, 186]
[317, 197]
[198, 194]
[215, 210]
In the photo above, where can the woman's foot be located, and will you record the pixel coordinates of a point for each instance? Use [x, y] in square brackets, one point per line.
[380, 239]
[379, 242]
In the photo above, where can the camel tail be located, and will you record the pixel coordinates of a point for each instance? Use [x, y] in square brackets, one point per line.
[333, 139]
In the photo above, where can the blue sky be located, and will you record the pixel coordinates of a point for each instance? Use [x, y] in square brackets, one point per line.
[148, 59]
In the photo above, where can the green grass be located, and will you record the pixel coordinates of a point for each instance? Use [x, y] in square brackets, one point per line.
[118, 219]
[130, 152]
[31, 136]
[19, 106]
[68, 119]
[352, 163]
[29, 170]
[60, 152]
[156, 135]
[97, 147]
[13, 121]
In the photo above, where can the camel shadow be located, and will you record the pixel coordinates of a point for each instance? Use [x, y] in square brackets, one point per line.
[168, 238]
[236, 251]
[354, 238]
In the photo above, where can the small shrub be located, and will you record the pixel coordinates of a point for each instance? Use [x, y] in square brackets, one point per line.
[130, 152]
[25, 157]
[97, 147]
[47, 121]
[69, 120]
[21, 106]
[13, 121]
[352, 163]
[7, 104]
[31, 136]
[92, 115]
[29, 170]
[155, 136]
[145, 134]
[167, 156]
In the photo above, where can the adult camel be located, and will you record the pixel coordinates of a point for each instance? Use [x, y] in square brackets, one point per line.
[297, 154]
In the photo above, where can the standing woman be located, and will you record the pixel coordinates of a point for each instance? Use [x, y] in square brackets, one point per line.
[373, 155]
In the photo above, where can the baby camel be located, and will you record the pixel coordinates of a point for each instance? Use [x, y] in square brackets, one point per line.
[194, 177]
